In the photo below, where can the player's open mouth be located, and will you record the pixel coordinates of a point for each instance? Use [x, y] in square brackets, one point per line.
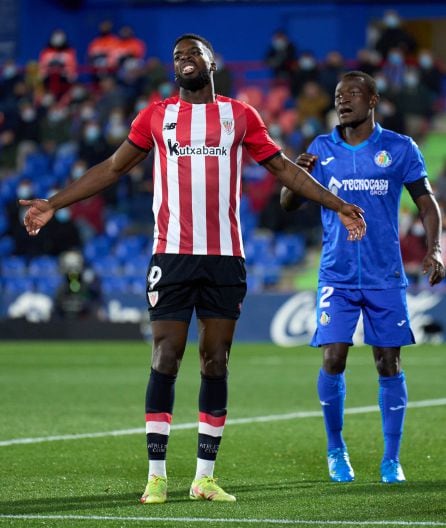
[345, 111]
[187, 68]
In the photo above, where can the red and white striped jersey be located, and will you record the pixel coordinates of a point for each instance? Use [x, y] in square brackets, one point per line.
[197, 171]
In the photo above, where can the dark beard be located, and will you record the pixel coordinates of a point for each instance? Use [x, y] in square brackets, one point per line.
[195, 84]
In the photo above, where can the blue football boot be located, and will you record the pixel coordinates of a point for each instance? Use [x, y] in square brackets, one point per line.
[392, 472]
[339, 467]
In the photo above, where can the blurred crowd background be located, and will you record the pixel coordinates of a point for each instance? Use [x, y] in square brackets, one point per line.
[63, 110]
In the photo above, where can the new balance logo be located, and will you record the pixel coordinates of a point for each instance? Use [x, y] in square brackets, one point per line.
[397, 408]
[327, 161]
[169, 126]
[401, 323]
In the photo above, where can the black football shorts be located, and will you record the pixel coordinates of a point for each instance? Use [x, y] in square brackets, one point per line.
[213, 285]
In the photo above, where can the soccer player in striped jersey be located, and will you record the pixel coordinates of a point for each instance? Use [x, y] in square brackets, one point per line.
[360, 161]
[198, 259]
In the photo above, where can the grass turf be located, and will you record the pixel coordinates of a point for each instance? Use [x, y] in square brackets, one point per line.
[276, 468]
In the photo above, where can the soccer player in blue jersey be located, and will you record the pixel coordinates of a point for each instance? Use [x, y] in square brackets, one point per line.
[368, 165]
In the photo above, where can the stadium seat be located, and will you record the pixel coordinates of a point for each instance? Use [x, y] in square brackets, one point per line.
[115, 285]
[13, 286]
[13, 266]
[48, 285]
[258, 247]
[7, 245]
[289, 249]
[129, 247]
[44, 266]
[116, 224]
[137, 267]
[97, 247]
[106, 266]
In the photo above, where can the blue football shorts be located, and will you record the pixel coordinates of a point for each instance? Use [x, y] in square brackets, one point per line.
[212, 285]
[384, 312]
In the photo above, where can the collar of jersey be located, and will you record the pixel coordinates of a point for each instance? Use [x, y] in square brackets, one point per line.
[373, 138]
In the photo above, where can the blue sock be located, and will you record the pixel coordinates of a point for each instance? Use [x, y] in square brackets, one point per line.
[331, 390]
[393, 404]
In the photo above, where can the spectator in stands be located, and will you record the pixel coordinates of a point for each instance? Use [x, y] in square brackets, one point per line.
[101, 51]
[394, 35]
[155, 74]
[331, 70]
[313, 102]
[93, 147]
[388, 115]
[416, 102]
[88, 214]
[55, 128]
[128, 47]
[368, 61]
[394, 69]
[223, 80]
[79, 295]
[58, 64]
[306, 70]
[430, 74]
[9, 76]
[111, 96]
[413, 250]
[28, 135]
[281, 55]
[8, 147]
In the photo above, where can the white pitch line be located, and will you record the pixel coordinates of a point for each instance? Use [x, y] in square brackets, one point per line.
[207, 520]
[193, 425]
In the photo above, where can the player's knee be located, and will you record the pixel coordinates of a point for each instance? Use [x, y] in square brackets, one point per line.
[214, 365]
[333, 364]
[166, 360]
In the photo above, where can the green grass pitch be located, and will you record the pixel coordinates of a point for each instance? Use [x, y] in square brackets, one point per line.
[272, 455]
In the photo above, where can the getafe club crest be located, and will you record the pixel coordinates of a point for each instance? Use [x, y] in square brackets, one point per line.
[228, 125]
[325, 319]
[153, 297]
[383, 159]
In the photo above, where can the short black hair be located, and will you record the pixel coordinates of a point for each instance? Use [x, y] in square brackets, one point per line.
[368, 79]
[193, 36]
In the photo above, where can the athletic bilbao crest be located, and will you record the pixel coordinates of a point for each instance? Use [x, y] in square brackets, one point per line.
[153, 298]
[228, 125]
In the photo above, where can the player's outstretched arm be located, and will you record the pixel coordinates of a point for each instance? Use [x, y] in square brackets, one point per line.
[95, 180]
[290, 201]
[300, 182]
[431, 217]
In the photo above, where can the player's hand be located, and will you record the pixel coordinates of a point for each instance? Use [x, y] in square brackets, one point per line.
[39, 213]
[351, 216]
[433, 263]
[306, 161]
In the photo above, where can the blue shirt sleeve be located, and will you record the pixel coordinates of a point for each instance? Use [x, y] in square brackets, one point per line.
[415, 167]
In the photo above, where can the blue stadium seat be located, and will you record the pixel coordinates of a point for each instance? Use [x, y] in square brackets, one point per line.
[137, 267]
[48, 285]
[97, 247]
[7, 245]
[13, 286]
[258, 247]
[44, 266]
[116, 224]
[115, 285]
[289, 249]
[107, 266]
[13, 266]
[129, 247]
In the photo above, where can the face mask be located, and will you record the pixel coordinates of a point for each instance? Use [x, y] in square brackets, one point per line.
[411, 80]
[275, 131]
[140, 105]
[58, 40]
[63, 215]
[87, 113]
[425, 61]
[386, 109]
[395, 58]
[92, 133]
[417, 229]
[77, 172]
[9, 71]
[307, 63]
[24, 191]
[279, 44]
[165, 90]
[391, 21]
[381, 84]
[28, 115]
[55, 116]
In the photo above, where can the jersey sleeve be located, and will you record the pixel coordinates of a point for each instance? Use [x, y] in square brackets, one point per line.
[140, 134]
[257, 140]
[314, 149]
[415, 168]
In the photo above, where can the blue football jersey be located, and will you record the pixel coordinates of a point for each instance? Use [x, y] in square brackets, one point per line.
[372, 176]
